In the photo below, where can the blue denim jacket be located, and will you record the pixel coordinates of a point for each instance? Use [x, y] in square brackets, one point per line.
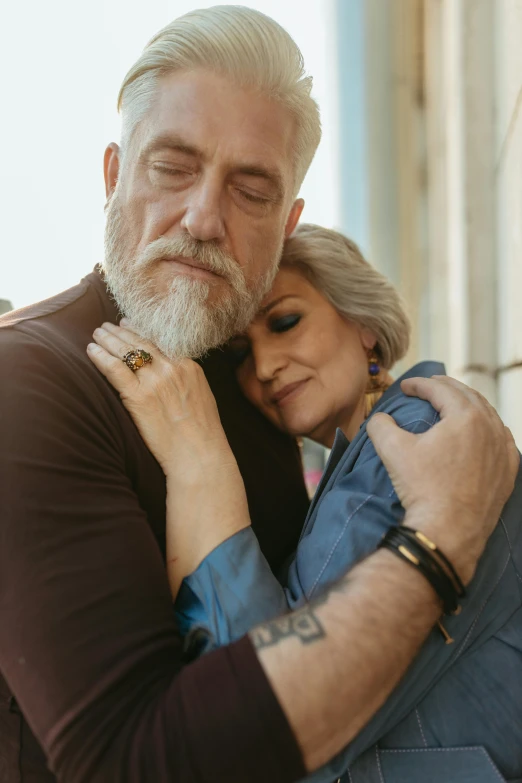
[457, 713]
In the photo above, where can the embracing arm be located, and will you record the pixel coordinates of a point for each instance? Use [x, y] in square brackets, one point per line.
[334, 662]
[375, 608]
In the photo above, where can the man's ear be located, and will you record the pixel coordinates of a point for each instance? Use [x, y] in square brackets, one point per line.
[293, 217]
[111, 168]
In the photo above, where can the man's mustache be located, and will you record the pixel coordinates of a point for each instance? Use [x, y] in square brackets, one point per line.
[207, 254]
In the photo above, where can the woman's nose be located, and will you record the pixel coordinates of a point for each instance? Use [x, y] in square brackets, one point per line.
[268, 363]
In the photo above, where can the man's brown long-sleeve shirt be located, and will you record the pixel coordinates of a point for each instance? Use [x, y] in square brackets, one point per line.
[90, 658]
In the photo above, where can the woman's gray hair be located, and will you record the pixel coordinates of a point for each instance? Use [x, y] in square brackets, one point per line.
[336, 267]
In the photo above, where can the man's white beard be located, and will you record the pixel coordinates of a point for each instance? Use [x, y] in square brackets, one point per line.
[181, 322]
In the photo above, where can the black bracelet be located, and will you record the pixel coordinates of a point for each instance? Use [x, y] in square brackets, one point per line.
[411, 554]
[422, 554]
[425, 541]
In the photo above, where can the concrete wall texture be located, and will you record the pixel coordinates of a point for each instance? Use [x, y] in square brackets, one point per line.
[439, 190]
[473, 79]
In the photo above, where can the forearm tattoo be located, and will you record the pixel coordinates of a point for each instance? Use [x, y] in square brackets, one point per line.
[303, 623]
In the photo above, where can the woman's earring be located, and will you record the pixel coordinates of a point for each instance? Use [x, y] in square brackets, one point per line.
[377, 384]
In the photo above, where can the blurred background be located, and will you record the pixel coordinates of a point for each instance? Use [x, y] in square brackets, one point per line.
[420, 163]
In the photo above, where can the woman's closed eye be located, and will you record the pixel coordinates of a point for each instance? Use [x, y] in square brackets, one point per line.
[237, 351]
[284, 323]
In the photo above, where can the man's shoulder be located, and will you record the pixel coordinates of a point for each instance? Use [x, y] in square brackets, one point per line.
[62, 324]
[409, 411]
[44, 309]
[44, 344]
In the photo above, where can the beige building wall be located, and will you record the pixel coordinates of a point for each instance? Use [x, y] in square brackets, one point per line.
[461, 227]
[508, 181]
[443, 119]
[396, 155]
[471, 272]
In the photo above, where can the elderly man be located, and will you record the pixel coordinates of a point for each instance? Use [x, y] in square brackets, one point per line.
[218, 131]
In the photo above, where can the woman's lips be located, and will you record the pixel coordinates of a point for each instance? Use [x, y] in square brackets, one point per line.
[288, 393]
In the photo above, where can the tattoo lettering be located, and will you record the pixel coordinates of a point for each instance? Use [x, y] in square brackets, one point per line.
[302, 624]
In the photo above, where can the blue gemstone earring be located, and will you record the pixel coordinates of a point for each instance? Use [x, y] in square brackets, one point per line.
[376, 384]
[373, 367]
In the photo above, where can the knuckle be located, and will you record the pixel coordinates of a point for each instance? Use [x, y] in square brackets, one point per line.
[167, 373]
[197, 370]
[189, 366]
[476, 416]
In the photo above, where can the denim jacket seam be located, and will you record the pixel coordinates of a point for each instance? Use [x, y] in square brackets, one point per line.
[517, 572]
[420, 727]
[416, 421]
[379, 768]
[477, 617]
[462, 748]
[447, 750]
[336, 543]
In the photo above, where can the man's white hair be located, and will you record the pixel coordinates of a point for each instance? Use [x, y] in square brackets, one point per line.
[240, 43]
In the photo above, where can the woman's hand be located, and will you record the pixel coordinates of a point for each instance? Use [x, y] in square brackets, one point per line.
[170, 401]
[176, 414]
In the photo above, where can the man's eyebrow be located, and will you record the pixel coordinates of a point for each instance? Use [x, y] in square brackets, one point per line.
[264, 310]
[168, 141]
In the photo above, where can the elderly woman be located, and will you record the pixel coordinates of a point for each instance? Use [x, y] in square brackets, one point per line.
[315, 361]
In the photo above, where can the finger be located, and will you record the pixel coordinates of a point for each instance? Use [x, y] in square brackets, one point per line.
[112, 368]
[472, 394]
[388, 438]
[513, 453]
[112, 342]
[126, 334]
[446, 398]
[475, 397]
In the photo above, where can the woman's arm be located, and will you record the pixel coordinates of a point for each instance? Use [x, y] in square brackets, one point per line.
[177, 416]
[201, 514]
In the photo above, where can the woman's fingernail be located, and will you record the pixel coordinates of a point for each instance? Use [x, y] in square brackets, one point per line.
[92, 347]
[124, 321]
[100, 330]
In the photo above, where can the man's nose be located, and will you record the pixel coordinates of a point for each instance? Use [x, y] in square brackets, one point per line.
[203, 218]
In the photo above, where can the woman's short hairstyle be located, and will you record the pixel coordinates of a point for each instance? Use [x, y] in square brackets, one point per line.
[335, 266]
[244, 45]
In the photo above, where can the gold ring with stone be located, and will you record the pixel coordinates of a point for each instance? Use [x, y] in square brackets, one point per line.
[136, 359]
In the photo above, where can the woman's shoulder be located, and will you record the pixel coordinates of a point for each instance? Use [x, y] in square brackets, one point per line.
[411, 412]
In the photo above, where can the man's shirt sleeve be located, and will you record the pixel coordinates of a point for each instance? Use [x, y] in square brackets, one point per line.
[88, 642]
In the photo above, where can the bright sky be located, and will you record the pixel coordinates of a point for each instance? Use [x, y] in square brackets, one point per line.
[62, 64]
